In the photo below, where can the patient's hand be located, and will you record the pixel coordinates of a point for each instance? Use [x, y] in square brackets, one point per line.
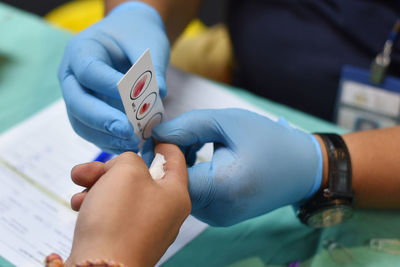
[127, 216]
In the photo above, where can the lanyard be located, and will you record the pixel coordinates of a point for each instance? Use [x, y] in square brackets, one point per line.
[382, 60]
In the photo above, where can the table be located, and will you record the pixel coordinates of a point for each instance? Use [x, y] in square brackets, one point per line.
[30, 52]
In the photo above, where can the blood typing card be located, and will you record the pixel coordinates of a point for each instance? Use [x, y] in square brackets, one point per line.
[140, 97]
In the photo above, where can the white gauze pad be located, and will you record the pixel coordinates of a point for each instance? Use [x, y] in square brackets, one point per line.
[157, 167]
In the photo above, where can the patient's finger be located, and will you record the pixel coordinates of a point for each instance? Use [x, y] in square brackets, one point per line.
[77, 199]
[175, 167]
[88, 173]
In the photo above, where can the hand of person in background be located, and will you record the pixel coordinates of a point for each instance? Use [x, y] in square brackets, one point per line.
[94, 62]
[126, 216]
[258, 165]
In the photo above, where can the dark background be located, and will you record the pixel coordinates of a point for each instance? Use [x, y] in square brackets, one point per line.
[211, 12]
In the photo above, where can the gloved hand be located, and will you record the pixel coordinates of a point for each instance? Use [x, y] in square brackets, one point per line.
[94, 62]
[258, 165]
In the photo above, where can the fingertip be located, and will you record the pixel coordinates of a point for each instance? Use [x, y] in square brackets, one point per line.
[77, 200]
[124, 137]
[162, 85]
[175, 166]
[148, 152]
[163, 92]
[156, 130]
[76, 172]
[193, 127]
[87, 174]
[75, 169]
[170, 152]
[166, 132]
[191, 155]
[121, 127]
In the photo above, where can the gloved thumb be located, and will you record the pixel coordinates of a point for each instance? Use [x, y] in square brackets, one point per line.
[195, 127]
[162, 85]
[148, 152]
[201, 185]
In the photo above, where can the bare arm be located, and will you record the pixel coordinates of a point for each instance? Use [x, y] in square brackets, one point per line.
[176, 14]
[375, 158]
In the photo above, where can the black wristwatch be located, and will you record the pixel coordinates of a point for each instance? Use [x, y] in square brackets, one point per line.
[334, 204]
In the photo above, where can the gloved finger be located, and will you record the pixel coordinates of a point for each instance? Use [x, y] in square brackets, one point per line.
[93, 112]
[92, 65]
[104, 140]
[188, 152]
[113, 102]
[148, 152]
[201, 185]
[195, 127]
[162, 85]
[191, 153]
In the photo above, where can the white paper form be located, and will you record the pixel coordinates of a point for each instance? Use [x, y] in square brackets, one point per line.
[32, 224]
[45, 148]
[36, 158]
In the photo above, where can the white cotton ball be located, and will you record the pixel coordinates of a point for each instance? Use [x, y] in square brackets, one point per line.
[157, 167]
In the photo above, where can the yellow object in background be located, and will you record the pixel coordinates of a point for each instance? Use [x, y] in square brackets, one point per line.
[200, 50]
[77, 15]
[207, 53]
[80, 14]
[194, 28]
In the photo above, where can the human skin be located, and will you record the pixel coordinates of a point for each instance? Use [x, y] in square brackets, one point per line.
[127, 216]
[375, 164]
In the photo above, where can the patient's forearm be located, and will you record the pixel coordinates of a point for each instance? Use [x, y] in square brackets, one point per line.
[375, 158]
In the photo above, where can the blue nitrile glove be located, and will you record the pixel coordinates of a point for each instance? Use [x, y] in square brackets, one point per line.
[94, 62]
[258, 165]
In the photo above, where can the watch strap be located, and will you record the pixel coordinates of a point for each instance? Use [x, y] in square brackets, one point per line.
[339, 192]
[339, 166]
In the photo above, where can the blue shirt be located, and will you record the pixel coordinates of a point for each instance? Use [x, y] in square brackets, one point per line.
[292, 51]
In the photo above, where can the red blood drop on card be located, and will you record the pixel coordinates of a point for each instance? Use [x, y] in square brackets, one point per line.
[139, 86]
[144, 108]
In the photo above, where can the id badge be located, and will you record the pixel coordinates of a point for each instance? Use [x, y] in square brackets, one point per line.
[362, 105]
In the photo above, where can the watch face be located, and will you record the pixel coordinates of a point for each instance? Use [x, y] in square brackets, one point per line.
[330, 216]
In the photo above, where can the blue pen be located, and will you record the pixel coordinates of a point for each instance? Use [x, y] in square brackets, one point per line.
[103, 156]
